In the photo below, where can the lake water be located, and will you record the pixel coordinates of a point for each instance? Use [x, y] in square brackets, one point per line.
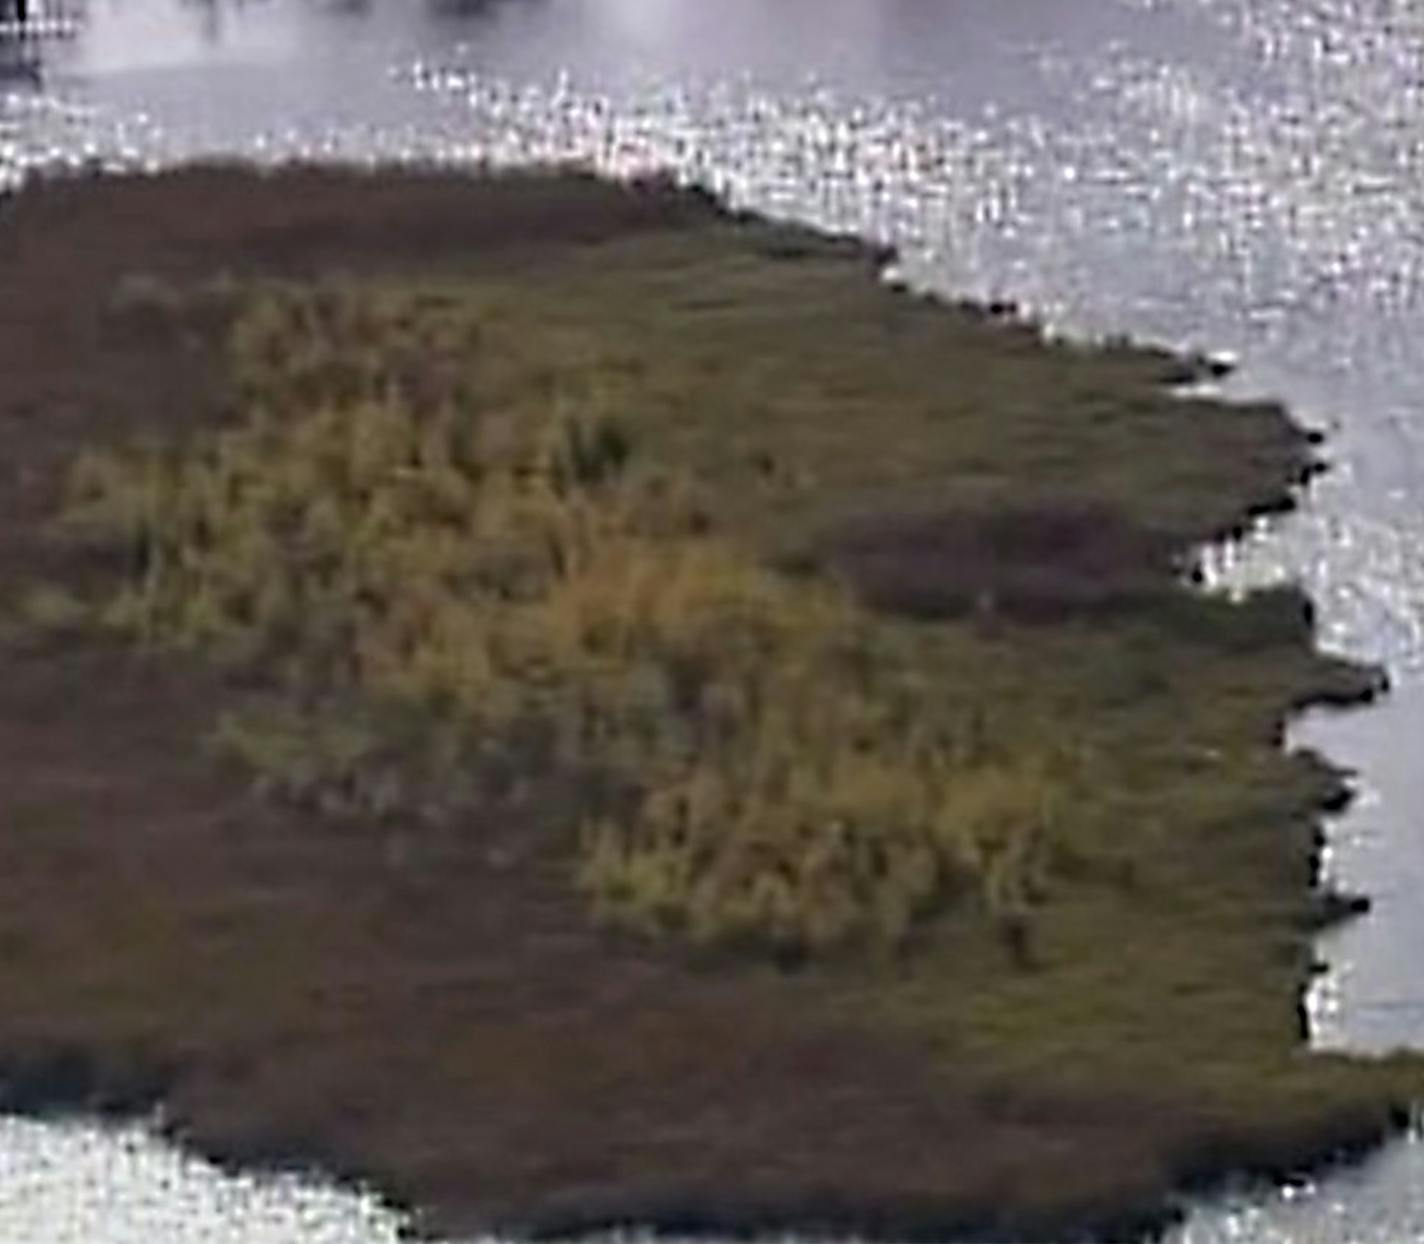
[1238, 175]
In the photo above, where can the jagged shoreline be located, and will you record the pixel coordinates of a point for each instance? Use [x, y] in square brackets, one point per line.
[435, 1011]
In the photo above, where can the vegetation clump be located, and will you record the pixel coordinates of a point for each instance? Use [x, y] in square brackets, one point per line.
[446, 578]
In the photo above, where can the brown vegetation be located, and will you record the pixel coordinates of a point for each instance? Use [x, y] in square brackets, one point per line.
[406, 983]
[1048, 563]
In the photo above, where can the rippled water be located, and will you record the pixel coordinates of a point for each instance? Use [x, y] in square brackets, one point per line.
[1240, 175]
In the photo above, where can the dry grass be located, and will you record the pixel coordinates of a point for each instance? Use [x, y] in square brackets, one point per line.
[436, 549]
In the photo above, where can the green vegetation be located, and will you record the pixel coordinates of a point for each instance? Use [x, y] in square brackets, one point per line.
[750, 716]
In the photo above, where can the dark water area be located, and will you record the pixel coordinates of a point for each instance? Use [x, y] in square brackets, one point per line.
[1230, 175]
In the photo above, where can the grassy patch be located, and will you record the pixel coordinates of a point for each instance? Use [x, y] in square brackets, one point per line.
[454, 570]
[733, 747]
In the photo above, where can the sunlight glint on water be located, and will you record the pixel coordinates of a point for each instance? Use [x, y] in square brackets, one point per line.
[72, 1183]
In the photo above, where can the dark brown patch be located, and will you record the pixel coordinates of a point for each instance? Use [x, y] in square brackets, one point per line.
[1045, 564]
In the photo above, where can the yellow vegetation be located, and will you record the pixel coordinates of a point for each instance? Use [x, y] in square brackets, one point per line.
[433, 572]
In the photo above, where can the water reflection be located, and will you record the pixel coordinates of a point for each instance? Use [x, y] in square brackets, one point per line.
[19, 55]
[210, 17]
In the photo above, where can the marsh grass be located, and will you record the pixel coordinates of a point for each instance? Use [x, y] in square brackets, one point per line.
[439, 546]
[595, 553]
